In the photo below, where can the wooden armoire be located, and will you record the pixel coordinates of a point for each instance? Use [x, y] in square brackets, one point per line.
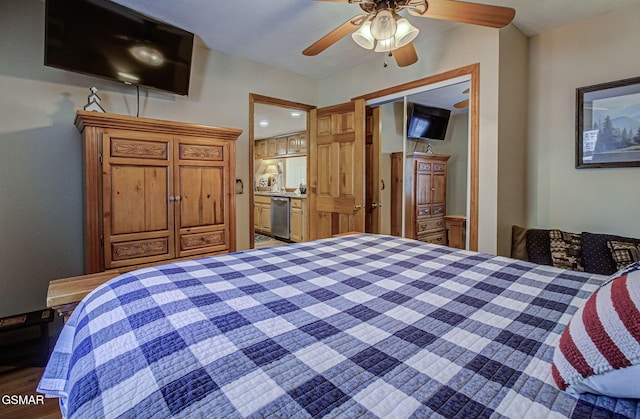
[155, 190]
[423, 187]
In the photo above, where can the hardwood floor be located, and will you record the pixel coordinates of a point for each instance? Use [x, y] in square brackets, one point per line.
[23, 382]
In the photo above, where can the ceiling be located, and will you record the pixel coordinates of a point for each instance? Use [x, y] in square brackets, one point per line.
[275, 32]
[271, 121]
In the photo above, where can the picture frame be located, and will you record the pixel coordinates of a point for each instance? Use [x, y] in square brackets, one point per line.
[608, 124]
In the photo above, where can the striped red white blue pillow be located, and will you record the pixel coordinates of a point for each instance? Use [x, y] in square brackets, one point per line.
[599, 350]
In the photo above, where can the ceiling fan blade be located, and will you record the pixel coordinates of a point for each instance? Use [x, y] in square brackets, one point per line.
[405, 55]
[461, 104]
[464, 12]
[335, 35]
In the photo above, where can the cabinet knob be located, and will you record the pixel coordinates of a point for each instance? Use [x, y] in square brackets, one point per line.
[178, 198]
[374, 205]
[357, 207]
[172, 198]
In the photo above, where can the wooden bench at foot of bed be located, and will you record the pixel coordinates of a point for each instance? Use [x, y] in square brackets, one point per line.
[65, 294]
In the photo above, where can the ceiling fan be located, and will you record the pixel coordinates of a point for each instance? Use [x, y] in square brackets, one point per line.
[462, 103]
[382, 28]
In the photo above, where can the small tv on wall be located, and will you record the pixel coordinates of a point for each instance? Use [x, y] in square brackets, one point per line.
[427, 123]
[104, 39]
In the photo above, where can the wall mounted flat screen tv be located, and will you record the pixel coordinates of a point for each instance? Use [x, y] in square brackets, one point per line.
[427, 123]
[104, 39]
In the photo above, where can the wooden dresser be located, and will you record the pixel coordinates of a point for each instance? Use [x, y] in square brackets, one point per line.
[155, 190]
[423, 187]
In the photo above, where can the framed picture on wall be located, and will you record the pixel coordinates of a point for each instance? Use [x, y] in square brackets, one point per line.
[608, 124]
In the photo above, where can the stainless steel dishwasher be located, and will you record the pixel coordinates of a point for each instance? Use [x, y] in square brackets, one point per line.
[280, 217]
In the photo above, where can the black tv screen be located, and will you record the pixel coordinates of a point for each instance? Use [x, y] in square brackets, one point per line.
[427, 123]
[104, 39]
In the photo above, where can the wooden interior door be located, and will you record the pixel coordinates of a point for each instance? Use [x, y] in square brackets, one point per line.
[372, 171]
[336, 169]
[137, 216]
[201, 196]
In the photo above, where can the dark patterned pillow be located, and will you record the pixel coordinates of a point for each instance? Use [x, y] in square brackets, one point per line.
[624, 253]
[596, 256]
[566, 250]
[539, 247]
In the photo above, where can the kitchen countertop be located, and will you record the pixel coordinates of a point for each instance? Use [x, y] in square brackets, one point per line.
[285, 194]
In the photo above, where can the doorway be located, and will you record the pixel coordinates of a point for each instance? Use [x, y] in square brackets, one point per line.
[470, 74]
[278, 138]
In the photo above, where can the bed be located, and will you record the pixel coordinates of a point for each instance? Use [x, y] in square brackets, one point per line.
[354, 326]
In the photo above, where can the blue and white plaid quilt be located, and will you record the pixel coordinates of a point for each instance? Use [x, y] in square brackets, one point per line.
[357, 326]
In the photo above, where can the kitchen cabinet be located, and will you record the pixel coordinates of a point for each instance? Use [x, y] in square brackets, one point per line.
[261, 149]
[297, 144]
[277, 147]
[288, 145]
[298, 222]
[262, 214]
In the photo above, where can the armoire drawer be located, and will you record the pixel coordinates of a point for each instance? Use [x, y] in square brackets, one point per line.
[430, 224]
[434, 238]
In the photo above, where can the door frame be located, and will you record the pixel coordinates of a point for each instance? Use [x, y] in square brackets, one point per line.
[267, 100]
[472, 71]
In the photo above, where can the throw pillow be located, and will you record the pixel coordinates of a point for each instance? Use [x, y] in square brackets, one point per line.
[538, 246]
[624, 253]
[596, 257]
[566, 250]
[599, 350]
[519, 243]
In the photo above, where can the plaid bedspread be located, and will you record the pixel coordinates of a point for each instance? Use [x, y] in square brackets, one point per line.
[357, 326]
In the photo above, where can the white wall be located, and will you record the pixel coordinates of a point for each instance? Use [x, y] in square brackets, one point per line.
[599, 50]
[513, 97]
[456, 145]
[40, 155]
[464, 45]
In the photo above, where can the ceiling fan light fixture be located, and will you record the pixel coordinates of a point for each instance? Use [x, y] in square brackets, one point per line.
[383, 25]
[363, 36]
[405, 33]
[386, 45]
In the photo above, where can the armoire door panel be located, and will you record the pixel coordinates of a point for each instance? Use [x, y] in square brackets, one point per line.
[137, 214]
[202, 196]
[201, 152]
[439, 189]
[138, 148]
[423, 188]
[212, 239]
[201, 192]
[139, 199]
[139, 249]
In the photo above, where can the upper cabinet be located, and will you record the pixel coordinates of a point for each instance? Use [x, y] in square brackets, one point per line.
[282, 146]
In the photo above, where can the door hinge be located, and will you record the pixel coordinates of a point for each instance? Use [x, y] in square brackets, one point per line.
[100, 157]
